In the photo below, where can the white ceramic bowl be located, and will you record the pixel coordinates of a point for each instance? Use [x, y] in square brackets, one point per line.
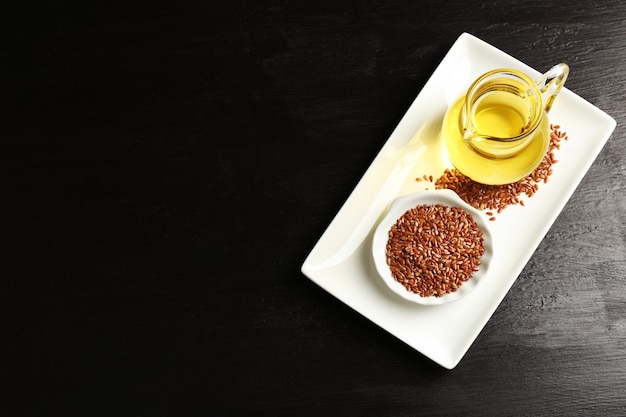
[398, 207]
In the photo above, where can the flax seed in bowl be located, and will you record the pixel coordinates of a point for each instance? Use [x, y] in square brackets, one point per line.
[432, 247]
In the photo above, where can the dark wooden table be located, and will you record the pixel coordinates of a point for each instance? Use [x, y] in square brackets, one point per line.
[168, 167]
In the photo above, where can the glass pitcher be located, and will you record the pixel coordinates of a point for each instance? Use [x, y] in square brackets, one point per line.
[498, 133]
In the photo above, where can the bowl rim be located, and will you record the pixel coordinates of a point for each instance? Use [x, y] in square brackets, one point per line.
[397, 208]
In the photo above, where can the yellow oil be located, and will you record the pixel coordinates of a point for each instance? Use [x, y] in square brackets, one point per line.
[498, 114]
[501, 114]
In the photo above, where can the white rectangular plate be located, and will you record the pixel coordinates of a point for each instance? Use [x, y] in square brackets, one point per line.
[341, 261]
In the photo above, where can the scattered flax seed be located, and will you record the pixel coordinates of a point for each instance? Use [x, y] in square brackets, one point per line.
[498, 197]
[433, 249]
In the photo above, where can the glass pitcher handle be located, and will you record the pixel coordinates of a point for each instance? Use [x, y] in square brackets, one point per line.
[551, 83]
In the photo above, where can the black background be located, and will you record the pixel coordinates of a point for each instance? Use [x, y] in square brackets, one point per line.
[166, 169]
